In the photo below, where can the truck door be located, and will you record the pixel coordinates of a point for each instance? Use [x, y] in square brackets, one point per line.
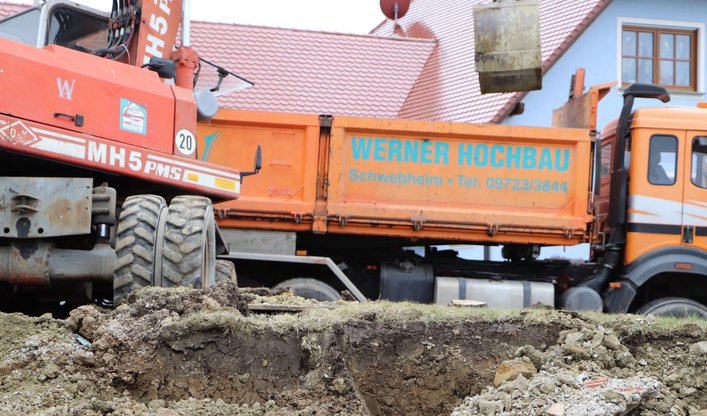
[656, 189]
[694, 223]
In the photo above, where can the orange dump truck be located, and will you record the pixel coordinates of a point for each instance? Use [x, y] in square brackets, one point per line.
[340, 200]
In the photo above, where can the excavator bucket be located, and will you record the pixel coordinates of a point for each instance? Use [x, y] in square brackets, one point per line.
[507, 38]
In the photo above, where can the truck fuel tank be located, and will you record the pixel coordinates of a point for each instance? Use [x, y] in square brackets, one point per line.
[495, 293]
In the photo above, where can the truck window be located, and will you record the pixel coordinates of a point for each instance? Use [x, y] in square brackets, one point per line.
[21, 27]
[71, 27]
[661, 160]
[699, 161]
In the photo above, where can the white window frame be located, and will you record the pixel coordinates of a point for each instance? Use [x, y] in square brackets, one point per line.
[666, 24]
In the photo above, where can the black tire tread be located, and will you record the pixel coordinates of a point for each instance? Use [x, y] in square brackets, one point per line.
[657, 304]
[135, 244]
[182, 249]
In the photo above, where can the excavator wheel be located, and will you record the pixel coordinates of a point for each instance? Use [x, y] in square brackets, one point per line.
[135, 244]
[188, 244]
[225, 270]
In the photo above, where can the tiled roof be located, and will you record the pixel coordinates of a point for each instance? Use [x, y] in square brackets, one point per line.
[7, 9]
[314, 72]
[448, 87]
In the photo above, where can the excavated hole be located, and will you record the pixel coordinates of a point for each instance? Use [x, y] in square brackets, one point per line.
[374, 368]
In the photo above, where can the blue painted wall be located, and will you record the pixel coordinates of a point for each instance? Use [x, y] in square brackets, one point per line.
[596, 51]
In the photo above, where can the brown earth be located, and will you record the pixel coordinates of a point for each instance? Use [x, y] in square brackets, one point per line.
[200, 352]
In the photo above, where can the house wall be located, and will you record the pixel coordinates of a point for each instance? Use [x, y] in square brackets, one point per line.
[597, 50]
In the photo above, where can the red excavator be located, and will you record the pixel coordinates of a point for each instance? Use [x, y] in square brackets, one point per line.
[97, 132]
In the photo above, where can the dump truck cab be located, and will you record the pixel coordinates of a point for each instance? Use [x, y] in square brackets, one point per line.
[665, 220]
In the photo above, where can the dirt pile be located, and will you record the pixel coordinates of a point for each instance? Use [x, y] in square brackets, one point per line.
[595, 370]
[201, 352]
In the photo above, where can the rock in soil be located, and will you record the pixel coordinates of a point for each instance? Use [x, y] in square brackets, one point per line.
[178, 352]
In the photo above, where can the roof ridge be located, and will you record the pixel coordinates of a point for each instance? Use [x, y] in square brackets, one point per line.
[320, 32]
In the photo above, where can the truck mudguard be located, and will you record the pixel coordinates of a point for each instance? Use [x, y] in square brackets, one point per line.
[652, 264]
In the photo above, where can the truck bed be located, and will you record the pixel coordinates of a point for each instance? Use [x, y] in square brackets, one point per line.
[401, 178]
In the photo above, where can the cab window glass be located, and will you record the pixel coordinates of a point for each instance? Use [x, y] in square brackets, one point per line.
[661, 160]
[699, 161]
[74, 28]
[21, 27]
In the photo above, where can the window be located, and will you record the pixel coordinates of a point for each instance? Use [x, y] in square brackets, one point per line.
[699, 161]
[71, 27]
[21, 27]
[660, 56]
[662, 160]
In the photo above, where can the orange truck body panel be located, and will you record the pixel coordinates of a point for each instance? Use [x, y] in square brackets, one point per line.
[409, 179]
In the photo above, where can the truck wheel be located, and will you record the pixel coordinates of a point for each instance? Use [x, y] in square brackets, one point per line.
[309, 288]
[189, 243]
[676, 307]
[226, 270]
[135, 244]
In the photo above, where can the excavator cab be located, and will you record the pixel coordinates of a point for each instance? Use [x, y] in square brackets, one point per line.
[75, 26]
[60, 23]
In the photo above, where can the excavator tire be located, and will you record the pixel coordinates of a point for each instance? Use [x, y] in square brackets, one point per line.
[225, 270]
[189, 243]
[135, 244]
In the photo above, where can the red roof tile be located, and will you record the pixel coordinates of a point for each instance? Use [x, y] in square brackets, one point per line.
[314, 72]
[7, 9]
[448, 87]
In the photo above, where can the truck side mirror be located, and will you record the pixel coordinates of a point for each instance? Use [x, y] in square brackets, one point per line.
[258, 164]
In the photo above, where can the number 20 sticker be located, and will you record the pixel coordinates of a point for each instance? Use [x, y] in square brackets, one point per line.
[185, 142]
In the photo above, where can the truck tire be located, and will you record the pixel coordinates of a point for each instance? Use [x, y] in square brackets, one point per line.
[135, 244]
[226, 270]
[676, 307]
[309, 288]
[189, 243]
